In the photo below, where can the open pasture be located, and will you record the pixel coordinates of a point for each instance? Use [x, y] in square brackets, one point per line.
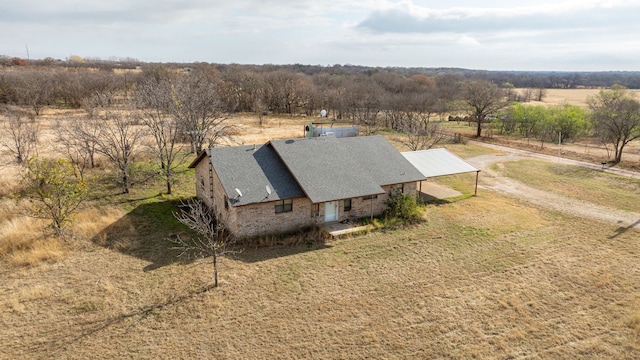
[489, 276]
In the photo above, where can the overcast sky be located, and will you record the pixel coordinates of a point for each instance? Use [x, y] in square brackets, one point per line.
[580, 35]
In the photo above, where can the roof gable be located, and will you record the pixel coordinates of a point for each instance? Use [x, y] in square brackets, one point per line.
[251, 169]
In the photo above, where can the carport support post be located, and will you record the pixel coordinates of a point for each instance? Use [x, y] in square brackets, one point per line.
[476, 191]
[372, 208]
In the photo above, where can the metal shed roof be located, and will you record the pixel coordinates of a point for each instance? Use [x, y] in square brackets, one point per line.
[438, 162]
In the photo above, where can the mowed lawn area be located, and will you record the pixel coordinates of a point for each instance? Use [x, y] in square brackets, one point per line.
[484, 277]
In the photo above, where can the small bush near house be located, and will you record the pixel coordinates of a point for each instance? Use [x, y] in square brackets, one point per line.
[403, 207]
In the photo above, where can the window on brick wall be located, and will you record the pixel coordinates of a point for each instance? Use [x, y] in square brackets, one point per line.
[369, 197]
[347, 205]
[284, 206]
[399, 188]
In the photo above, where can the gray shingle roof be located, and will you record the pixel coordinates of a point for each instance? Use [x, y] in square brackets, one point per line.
[322, 169]
[330, 168]
[251, 171]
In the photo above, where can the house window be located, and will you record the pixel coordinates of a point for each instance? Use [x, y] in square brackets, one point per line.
[369, 197]
[226, 202]
[284, 206]
[399, 188]
[347, 205]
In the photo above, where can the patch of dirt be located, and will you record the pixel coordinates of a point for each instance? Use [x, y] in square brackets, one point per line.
[494, 181]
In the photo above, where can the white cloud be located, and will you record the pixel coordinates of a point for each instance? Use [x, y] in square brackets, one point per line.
[518, 34]
[405, 16]
[466, 40]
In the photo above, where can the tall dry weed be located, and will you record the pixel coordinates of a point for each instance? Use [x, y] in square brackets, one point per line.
[23, 243]
[312, 235]
[9, 180]
[48, 249]
[90, 222]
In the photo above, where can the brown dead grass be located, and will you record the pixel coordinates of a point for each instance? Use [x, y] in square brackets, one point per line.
[89, 222]
[558, 97]
[488, 277]
[9, 179]
[23, 243]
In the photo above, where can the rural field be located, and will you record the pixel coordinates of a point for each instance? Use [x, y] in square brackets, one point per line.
[493, 276]
[578, 97]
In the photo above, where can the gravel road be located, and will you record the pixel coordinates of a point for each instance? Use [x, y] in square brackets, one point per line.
[491, 180]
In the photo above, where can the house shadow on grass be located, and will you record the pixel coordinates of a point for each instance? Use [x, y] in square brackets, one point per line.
[144, 233]
[258, 254]
[276, 246]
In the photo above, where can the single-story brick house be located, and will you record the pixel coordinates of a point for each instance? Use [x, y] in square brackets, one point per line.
[286, 185]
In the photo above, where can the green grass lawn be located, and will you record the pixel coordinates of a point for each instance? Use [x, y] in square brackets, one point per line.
[589, 185]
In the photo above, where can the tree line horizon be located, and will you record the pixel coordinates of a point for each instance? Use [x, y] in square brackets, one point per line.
[549, 79]
[200, 98]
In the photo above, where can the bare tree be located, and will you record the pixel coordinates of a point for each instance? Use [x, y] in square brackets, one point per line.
[484, 98]
[447, 92]
[421, 135]
[78, 140]
[527, 95]
[616, 118]
[196, 107]
[540, 94]
[281, 90]
[23, 132]
[35, 90]
[118, 138]
[153, 99]
[212, 241]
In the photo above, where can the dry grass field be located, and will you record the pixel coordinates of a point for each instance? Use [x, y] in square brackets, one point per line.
[489, 277]
[485, 277]
[577, 97]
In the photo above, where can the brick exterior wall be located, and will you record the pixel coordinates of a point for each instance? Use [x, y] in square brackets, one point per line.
[204, 182]
[363, 208]
[261, 219]
[209, 189]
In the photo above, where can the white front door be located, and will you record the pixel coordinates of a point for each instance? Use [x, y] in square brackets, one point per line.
[330, 211]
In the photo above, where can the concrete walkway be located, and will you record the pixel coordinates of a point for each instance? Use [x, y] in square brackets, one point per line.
[430, 191]
[336, 228]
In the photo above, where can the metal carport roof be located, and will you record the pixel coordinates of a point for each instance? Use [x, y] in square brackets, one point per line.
[439, 162]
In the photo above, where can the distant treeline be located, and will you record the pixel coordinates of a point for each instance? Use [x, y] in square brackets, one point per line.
[520, 79]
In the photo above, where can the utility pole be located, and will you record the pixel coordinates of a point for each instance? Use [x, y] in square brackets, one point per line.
[559, 145]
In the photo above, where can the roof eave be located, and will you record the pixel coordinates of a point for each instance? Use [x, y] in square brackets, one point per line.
[199, 158]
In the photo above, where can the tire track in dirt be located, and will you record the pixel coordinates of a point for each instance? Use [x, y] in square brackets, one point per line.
[494, 181]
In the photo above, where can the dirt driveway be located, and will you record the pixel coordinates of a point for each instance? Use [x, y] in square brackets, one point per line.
[491, 180]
